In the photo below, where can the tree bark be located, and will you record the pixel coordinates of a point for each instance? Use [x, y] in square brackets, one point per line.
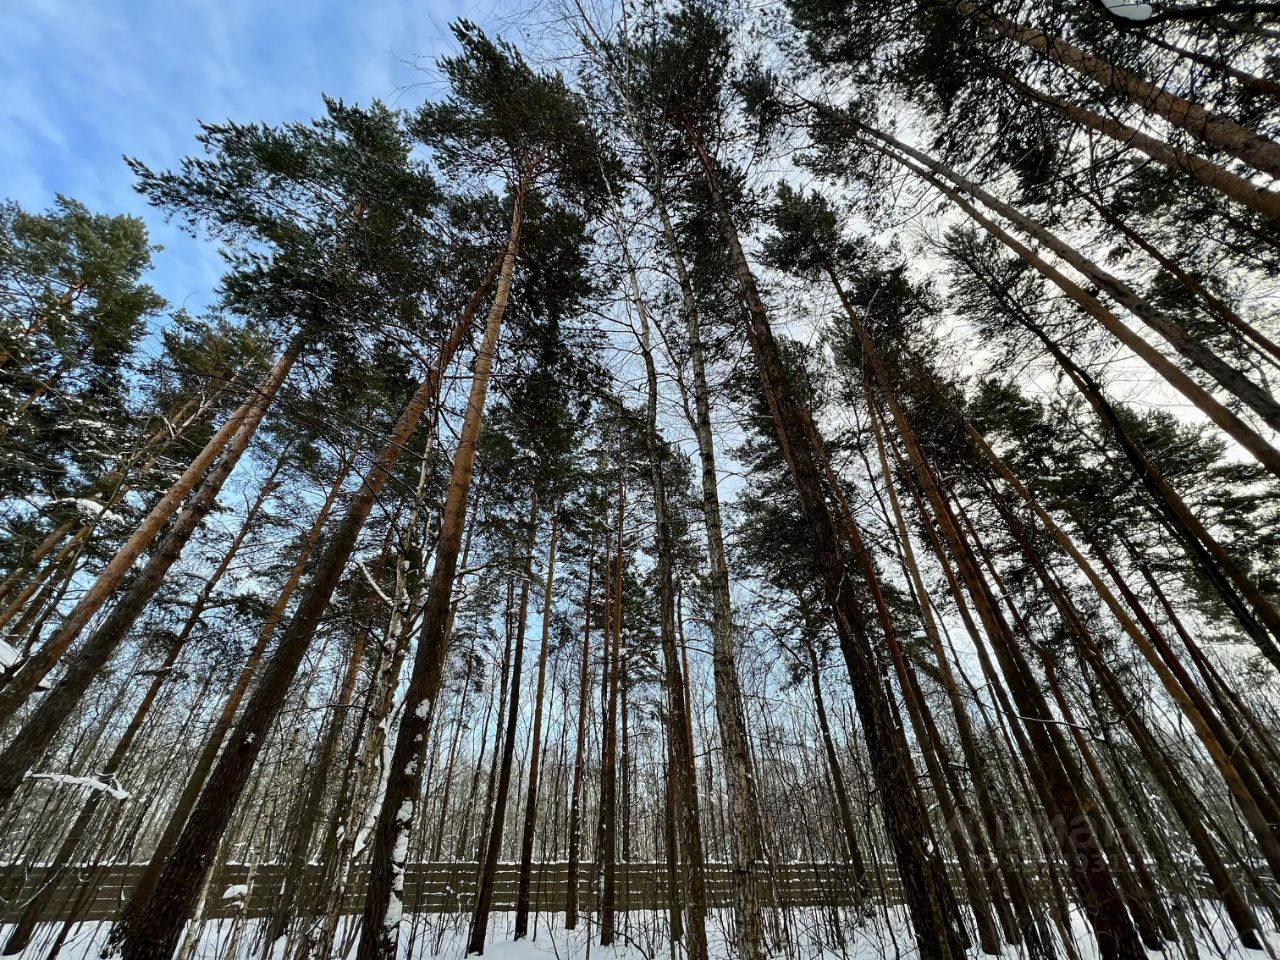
[378, 936]
[579, 757]
[535, 749]
[497, 823]
[939, 934]
[243, 422]
[155, 926]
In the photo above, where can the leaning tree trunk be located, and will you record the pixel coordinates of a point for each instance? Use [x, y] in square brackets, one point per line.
[156, 925]
[1213, 175]
[309, 809]
[1239, 328]
[1129, 873]
[995, 820]
[1196, 353]
[1211, 129]
[109, 490]
[244, 422]
[939, 932]
[378, 934]
[22, 930]
[1151, 644]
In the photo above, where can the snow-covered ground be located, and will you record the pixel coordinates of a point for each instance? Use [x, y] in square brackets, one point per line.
[812, 933]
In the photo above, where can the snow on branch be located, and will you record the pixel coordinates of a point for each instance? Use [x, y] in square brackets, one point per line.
[91, 782]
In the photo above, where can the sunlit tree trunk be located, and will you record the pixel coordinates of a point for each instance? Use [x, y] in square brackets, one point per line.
[234, 434]
[379, 936]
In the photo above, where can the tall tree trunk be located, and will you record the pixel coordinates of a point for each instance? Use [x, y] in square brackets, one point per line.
[309, 808]
[504, 691]
[1132, 877]
[155, 926]
[946, 789]
[858, 548]
[751, 856]
[1182, 798]
[853, 849]
[378, 935]
[497, 824]
[243, 422]
[670, 837]
[992, 818]
[535, 748]
[437, 843]
[607, 844]
[939, 933]
[579, 759]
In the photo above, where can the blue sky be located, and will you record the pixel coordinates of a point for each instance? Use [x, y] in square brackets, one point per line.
[83, 82]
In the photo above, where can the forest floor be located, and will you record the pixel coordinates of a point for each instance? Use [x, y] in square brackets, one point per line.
[813, 933]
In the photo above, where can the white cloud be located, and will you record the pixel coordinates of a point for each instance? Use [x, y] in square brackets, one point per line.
[83, 82]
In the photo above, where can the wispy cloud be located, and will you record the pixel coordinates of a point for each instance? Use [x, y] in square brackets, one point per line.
[85, 82]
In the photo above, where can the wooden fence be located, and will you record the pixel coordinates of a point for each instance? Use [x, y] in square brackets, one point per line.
[97, 893]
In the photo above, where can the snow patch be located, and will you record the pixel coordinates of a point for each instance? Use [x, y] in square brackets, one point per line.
[8, 656]
[395, 911]
[237, 891]
[401, 851]
[91, 782]
[90, 508]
